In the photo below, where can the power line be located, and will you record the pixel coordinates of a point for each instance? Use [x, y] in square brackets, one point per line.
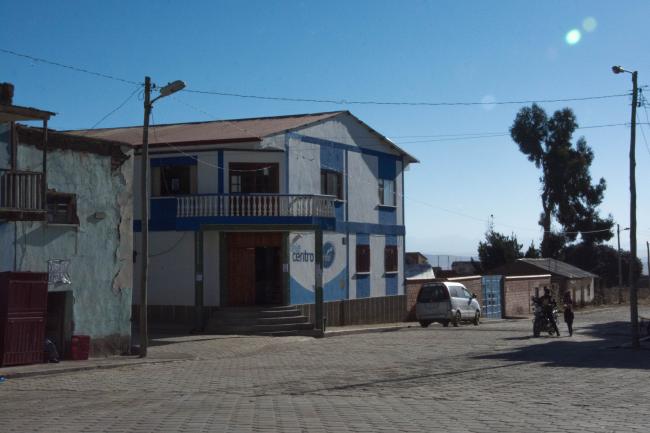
[318, 100]
[116, 108]
[74, 68]
[398, 103]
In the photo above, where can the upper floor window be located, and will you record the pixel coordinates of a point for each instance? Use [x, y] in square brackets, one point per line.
[390, 258]
[363, 258]
[61, 208]
[169, 180]
[331, 183]
[254, 177]
[387, 192]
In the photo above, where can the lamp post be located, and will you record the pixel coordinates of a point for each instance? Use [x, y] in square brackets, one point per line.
[167, 90]
[620, 270]
[634, 310]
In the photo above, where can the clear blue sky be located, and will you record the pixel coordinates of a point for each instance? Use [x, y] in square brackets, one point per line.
[363, 50]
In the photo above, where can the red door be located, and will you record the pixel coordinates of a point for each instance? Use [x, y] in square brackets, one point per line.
[241, 276]
[252, 277]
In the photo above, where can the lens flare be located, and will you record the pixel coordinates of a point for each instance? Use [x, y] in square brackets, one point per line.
[589, 24]
[573, 37]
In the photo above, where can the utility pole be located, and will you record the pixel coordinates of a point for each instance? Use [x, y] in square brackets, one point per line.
[144, 217]
[167, 90]
[647, 245]
[620, 267]
[634, 309]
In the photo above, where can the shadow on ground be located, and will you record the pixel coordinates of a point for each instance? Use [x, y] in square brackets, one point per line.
[609, 347]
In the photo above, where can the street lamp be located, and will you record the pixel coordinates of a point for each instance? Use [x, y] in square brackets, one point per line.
[167, 90]
[620, 271]
[634, 310]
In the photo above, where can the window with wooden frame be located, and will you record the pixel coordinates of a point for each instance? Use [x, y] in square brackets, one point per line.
[387, 192]
[390, 258]
[331, 183]
[363, 259]
[62, 208]
[171, 180]
[254, 177]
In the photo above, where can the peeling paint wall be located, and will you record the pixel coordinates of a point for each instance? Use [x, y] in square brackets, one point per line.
[100, 248]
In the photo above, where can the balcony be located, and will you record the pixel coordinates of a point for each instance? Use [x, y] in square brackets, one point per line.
[255, 205]
[21, 196]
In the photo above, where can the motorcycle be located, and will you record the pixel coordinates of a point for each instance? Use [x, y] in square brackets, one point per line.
[541, 322]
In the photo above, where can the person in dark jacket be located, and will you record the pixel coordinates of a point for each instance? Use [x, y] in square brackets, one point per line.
[548, 303]
[568, 311]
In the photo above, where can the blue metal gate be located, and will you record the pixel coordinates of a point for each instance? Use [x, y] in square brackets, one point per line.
[491, 285]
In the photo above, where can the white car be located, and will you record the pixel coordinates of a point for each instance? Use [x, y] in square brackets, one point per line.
[446, 302]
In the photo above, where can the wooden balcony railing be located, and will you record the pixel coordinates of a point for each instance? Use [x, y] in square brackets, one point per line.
[21, 191]
[256, 205]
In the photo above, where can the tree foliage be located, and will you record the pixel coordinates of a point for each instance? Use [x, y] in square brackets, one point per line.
[568, 195]
[498, 249]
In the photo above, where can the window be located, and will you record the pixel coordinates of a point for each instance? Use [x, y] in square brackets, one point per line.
[466, 294]
[331, 183]
[170, 180]
[387, 192]
[62, 208]
[433, 293]
[253, 177]
[390, 258]
[363, 258]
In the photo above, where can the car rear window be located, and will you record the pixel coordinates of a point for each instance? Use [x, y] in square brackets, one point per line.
[433, 293]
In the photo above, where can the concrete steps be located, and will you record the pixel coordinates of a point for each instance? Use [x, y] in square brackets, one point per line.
[262, 320]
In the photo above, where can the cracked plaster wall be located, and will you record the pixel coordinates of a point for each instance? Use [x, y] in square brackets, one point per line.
[100, 250]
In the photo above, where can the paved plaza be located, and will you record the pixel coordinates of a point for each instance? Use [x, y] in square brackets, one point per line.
[491, 378]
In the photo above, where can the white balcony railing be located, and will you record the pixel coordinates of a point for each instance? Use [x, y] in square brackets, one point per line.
[255, 205]
[21, 190]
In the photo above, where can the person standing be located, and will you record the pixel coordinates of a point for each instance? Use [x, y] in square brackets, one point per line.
[568, 311]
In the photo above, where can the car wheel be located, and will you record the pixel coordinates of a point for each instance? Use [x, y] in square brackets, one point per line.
[425, 323]
[457, 319]
[477, 318]
[445, 323]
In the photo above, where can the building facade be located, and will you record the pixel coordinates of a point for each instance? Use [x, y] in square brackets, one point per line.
[66, 210]
[238, 208]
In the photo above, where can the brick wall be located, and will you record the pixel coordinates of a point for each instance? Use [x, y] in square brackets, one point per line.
[517, 292]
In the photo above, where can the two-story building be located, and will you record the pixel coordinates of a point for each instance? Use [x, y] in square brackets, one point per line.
[66, 212]
[236, 208]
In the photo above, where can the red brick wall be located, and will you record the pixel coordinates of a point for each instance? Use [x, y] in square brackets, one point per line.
[517, 292]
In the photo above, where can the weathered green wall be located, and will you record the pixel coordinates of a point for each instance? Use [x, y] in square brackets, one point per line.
[100, 250]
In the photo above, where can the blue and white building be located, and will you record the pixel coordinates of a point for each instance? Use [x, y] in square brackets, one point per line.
[235, 207]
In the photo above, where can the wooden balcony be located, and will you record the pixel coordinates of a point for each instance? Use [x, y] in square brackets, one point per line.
[21, 196]
[255, 205]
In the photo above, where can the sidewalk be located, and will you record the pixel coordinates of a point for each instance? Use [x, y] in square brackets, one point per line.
[14, 372]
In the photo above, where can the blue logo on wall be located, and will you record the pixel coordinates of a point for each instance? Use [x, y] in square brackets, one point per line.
[328, 254]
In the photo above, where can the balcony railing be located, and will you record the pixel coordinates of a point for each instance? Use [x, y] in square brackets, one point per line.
[255, 205]
[21, 191]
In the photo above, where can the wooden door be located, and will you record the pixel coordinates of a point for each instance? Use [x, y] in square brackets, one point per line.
[241, 276]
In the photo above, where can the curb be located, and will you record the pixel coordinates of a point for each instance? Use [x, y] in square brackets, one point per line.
[73, 369]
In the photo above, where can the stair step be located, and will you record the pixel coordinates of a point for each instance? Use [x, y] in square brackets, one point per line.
[281, 319]
[281, 327]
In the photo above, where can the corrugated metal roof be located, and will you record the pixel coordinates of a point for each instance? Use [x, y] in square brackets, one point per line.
[236, 130]
[225, 131]
[560, 268]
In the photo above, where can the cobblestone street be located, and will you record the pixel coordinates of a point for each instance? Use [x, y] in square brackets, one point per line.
[492, 378]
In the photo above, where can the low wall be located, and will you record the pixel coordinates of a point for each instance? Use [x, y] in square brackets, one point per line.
[517, 292]
[384, 309]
